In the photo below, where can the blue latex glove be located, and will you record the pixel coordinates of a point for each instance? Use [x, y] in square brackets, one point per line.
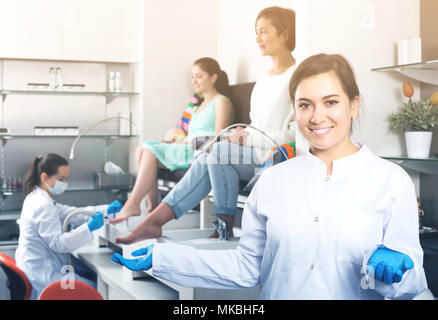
[389, 265]
[114, 207]
[142, 263]
[96, 221]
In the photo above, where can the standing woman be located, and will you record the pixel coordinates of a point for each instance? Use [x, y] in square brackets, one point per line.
[337, 222]
[42, 245]
[229, 162]
[214, 114]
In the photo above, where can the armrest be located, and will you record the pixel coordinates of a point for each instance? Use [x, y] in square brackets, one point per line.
[199, 142]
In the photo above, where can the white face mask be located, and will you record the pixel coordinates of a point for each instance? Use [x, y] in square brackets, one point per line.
[58, 188]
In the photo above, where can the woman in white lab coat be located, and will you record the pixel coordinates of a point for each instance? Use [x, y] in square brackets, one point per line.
[42, 245]
[337, 222]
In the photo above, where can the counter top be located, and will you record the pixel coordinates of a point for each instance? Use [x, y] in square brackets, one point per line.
[99, 260]
[142, 284]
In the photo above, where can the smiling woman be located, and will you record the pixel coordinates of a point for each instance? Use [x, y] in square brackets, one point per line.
[208, 119]
[336, 222]
[230, 162]
[325, 116]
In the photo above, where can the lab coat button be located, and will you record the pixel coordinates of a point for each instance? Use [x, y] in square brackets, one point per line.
[327, 178]
[312, 267]
[316, 219]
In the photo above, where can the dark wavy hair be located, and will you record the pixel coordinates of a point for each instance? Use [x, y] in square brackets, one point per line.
[283, 20]
[49, 164]
[211, 66]
[323, 63]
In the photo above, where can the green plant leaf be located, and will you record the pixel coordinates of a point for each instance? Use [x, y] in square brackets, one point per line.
[415, 116]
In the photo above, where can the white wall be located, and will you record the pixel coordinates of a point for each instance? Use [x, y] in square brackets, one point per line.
[176, 33]
[365, 32]
[97, 30]
[238, 51]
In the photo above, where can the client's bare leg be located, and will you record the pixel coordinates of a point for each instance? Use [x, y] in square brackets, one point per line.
[152, 196]
[145, 181]
[151, 227]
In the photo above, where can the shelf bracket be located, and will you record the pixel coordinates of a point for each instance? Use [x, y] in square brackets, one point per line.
[109, 98]
[5, 195]
[4, 141]
[424, 75]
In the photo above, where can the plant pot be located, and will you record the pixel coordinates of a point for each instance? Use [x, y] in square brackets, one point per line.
[418, 144]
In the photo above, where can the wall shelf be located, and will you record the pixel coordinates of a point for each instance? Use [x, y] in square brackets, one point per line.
[7, 137]
[90, 93]
[428, 166]
[426, 71]
[109, 136]
[25, 103]
[10, 215]
[109, 96]
[10, 191]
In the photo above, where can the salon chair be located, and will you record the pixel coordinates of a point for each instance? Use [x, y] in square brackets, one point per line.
[240, 96]
[18, 283]
[76, 290]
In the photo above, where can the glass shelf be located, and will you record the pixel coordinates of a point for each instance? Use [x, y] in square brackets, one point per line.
[9, 215]
[428, 166]
[426, 71]
[109, 96]
[110, 136]
[78, 92]
[10, 192]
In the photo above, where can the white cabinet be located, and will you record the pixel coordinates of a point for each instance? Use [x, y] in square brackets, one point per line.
[102, 30]
[81, 30]
[30, 29]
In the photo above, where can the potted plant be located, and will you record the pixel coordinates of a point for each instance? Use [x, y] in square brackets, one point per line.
[417, 120]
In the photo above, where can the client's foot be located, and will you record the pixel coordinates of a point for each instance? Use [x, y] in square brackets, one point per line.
[151, 226]
[144, 230]
[128, 210]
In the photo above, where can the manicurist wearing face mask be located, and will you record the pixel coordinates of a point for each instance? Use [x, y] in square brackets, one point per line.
[42, 245]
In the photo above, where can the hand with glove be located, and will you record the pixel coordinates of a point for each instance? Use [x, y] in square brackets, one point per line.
[389, 265]
[142, 263]
[96, 221]
[114, 207]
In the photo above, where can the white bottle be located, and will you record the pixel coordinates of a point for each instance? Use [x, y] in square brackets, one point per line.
[52, 79]
[111, 82]
[59, 84]
[118, 83]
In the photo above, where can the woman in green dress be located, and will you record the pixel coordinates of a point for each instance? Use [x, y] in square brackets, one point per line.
[209, 118]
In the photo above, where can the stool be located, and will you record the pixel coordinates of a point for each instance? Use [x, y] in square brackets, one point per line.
[79, 291]
[18, 284]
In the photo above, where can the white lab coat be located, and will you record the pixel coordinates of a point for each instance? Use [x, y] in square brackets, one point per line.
[42, 245]
[307, 235]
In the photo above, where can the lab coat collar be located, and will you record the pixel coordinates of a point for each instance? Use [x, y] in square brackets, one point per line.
[341, 166]
[44, 193]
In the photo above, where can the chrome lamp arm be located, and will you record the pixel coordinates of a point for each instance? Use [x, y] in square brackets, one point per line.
[72, 149]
